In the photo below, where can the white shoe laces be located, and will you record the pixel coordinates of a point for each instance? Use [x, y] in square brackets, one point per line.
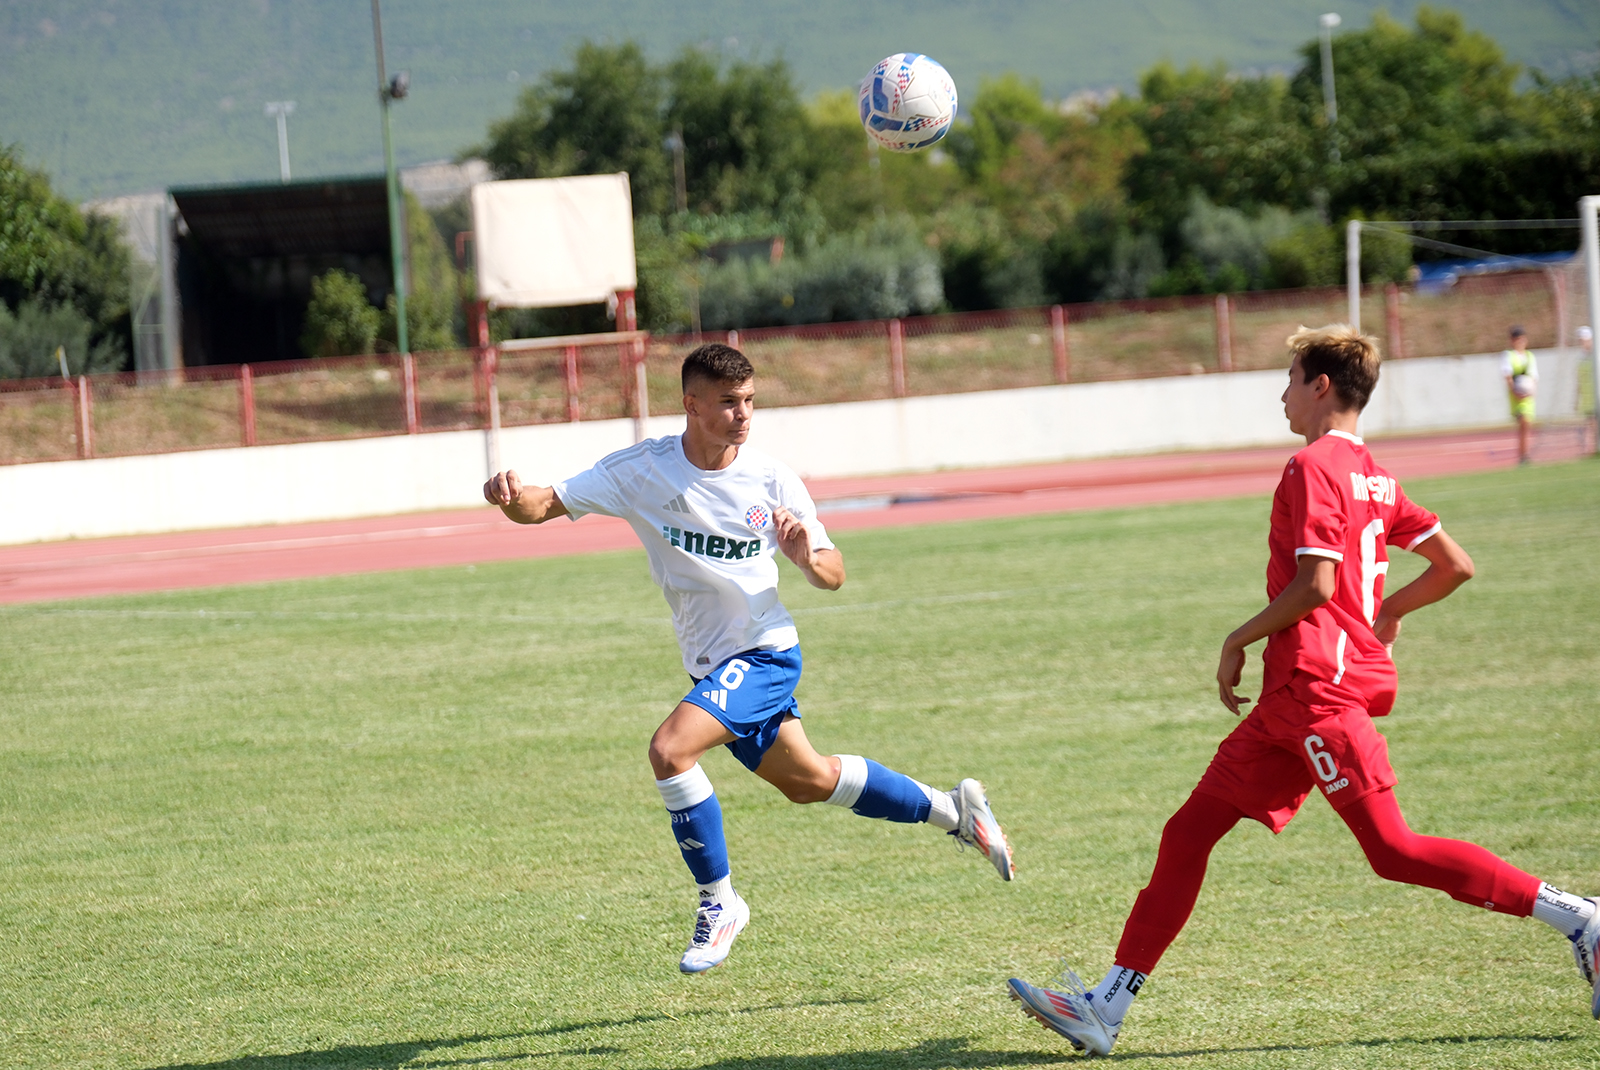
[705, 920]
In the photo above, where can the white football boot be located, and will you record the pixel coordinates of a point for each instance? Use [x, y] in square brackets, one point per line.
[1586, 950]
[1069, 1013]
[716, 925]
[977, 827]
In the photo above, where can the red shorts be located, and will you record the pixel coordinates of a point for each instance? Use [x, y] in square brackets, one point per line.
[1294, 742]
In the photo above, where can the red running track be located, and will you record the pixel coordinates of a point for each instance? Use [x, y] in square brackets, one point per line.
[89, 567]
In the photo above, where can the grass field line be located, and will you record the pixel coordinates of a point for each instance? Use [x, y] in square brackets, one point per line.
[507, 618]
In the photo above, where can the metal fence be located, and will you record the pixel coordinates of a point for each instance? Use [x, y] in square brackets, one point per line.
[596, 377]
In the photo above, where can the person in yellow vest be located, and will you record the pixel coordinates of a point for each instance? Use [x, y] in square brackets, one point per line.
[1521, 373]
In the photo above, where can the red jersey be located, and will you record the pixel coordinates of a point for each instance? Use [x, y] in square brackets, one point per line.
[1334, 501]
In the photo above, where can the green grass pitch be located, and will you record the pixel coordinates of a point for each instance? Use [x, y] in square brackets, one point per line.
[405, 820]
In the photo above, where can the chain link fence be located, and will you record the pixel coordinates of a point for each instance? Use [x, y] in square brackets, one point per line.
[594, 378]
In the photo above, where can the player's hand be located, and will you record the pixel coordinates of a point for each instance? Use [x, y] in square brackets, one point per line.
[503, 489]
[794, 539]
[1230, 670]
[1387, 629]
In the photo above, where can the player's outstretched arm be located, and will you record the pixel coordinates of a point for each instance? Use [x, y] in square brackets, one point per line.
[1313, 585]
[525, 505]
[823, 568]
[1448, 568]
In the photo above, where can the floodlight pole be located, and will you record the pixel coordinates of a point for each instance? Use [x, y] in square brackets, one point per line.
[281, 110]
[1588, 209]
[388, 92]
[1330, 104]
[1352, 270]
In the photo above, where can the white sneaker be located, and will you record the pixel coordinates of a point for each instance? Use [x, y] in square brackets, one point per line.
[977, 827]
[1586, 950]
[1068, 1013]
[716, 925]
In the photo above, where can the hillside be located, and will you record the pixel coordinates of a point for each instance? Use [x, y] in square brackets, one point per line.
[114, 96]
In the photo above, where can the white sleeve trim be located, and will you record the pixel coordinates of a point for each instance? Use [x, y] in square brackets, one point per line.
[1425, 536]
[1318, 551]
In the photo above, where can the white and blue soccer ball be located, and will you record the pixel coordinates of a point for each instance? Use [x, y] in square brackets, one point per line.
[907, 102]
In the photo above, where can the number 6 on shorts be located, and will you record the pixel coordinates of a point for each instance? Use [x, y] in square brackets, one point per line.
[1326, 767]
[733, 675]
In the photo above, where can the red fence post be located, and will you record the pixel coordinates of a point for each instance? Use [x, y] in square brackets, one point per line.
[569, 361]
[247, 406]
[897, 360]
[85, 400]
[1224, 333]
[1391, 319]
[1058, 342]
[408, 393]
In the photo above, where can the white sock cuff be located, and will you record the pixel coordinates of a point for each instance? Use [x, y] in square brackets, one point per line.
[686, 789]
[942, 811]
[1562, 911]
[852, 780]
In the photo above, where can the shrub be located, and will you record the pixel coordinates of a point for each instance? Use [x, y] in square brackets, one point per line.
[28, 342]
[339, 320]
[878, 273]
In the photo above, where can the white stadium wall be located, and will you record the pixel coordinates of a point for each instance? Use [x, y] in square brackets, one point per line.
[412, 473]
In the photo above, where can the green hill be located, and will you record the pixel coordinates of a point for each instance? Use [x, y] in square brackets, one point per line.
[113, 96]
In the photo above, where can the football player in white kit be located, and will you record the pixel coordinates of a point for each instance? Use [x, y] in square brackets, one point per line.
[712, 514]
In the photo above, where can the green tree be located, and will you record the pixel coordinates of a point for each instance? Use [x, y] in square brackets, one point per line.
[744, 134]
[603, 114]
[55, 255]
[434, 297]
[340, 321]
[1400, 91]
[1242, 142]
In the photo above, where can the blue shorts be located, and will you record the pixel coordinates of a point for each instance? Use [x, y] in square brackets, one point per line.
[751, 694]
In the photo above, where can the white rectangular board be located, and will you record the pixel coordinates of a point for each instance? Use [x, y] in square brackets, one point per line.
[548, 242]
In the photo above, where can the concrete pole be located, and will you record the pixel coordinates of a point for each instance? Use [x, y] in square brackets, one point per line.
[1352, 270]
[1330, 104]
[1588, 208]
[282, 109]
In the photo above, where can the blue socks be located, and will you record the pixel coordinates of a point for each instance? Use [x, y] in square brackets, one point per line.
[865, 787]
[696, 824]
[873, 790]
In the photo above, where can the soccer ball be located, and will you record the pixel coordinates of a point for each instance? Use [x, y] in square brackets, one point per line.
[1522, 386]
[907, 102]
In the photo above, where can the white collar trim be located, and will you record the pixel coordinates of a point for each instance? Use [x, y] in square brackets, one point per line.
[1345, 434]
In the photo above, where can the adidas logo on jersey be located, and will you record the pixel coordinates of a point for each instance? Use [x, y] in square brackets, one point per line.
[719, 546]
[719, 695]
[1379, 489]
[677, 505]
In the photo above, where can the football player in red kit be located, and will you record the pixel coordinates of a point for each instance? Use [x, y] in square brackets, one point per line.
[1328, 673]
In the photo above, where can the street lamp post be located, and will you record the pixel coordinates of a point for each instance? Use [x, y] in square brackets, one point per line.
[281, 110]
[1330, 104]
[392, 89]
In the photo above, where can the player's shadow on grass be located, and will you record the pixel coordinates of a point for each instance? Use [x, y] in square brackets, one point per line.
[433, 1053]
[1377, 1042]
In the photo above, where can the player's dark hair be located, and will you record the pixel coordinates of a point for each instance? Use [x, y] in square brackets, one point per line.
[1517, 331]
[1346, 356]
[717, 363]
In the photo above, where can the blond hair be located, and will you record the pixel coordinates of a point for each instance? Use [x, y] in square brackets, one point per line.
[1346, 356]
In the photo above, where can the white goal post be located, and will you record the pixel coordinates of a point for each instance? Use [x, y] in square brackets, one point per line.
[1589, 227]
[1588, 207]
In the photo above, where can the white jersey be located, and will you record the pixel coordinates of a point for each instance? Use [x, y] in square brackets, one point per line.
[710, 539]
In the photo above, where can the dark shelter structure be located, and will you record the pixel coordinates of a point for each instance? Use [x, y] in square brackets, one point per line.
[246, 256]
